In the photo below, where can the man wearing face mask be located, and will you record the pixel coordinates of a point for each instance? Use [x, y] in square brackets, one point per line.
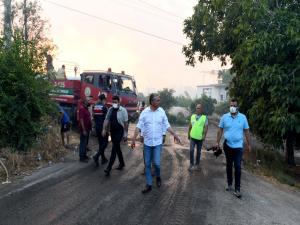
[117, 120]
[85, 126]
[234, 125]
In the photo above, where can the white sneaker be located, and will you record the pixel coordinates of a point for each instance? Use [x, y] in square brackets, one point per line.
[197, 167]
[191, 168]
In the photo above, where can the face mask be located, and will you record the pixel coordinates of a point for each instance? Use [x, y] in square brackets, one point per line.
[233, 109]
[115, 105]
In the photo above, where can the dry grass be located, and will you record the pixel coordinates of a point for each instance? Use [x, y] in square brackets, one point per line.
[48, 146]
[270, 163]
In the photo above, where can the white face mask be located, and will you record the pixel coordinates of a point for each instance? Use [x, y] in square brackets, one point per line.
[115, 105]
[233, 109]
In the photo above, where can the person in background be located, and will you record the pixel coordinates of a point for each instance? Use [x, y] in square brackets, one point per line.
[99, 113]
[117, 121]
[85, 126]
[197, 132]
[65, 127]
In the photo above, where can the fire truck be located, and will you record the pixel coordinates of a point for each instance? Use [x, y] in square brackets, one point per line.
[70, 93]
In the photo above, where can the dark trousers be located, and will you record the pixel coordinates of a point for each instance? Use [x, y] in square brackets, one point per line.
[83, 145]
[193, 143]
[116, 139]
[103, 142]
[233, 156]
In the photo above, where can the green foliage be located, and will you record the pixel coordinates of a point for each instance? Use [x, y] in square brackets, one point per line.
[24, 95]
[183, 101]
[262, 39]
[226, 76]
[222, 108]
[207, 104]
[167, 100]
[179, 119]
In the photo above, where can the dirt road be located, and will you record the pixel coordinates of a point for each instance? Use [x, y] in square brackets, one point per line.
[78, 193]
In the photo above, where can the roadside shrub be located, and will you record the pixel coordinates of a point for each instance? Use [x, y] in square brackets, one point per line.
[24, 95]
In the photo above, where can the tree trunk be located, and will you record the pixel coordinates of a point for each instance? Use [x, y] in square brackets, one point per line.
[25, 14]
[289, 153]
[7, 23]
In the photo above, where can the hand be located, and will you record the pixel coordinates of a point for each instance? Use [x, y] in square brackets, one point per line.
[164, 139]
[84, 133]
[176, 138]
[132, 144]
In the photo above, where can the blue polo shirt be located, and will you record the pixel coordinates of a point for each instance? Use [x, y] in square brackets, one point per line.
[233, 128]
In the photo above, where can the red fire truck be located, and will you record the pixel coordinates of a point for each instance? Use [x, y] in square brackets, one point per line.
[70, 93]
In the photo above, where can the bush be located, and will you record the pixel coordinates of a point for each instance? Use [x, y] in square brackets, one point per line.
[24, 95]
[180, 119]
[207, 104]
[222, 108]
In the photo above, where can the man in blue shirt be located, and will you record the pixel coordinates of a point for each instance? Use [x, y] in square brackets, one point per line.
[65, 126]
[234, 124]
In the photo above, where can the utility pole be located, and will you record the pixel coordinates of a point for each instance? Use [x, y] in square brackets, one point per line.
[7, 23]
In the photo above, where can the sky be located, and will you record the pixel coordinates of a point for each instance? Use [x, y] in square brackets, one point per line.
[95, 44]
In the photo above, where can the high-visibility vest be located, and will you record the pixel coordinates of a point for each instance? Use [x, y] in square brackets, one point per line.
[197, 126]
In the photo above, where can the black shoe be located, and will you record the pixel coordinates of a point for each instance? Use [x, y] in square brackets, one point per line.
[237, 194]
[158, 181]
[147, 189]
[103, 161]
[96, 160]
[120, 167]
[229, 188]
[85, 160]
[107, 172]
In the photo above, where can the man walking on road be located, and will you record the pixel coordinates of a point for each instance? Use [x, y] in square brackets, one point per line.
[99, 113]
[197, 133]
[85, 126]
[154, 123]
[234, 124]
[117, 120]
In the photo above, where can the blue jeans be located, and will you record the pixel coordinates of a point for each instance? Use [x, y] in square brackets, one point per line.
[152, 153]
[233, 156]
[83, 144]
[198, 143]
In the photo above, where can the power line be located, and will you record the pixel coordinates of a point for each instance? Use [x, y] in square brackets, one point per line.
[160, 9]
[114, 23]
[146, 10]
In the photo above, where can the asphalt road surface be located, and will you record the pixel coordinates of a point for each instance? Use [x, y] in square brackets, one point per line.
[78, 193]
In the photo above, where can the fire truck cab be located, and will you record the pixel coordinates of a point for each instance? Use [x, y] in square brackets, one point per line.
[70, 93]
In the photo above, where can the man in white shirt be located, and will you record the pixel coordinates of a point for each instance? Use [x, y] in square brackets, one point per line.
[153, 123]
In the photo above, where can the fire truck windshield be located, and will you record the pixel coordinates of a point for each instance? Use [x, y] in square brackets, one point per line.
[125, 84]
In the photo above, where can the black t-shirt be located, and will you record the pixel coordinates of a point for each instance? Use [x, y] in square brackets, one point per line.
[114, 124]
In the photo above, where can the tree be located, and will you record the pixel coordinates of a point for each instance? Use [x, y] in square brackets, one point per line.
[222, 108]
[167, 100]
[183, 101]
[226, 76]
[207, 104]
[7, 23]
[262, 39]
[24, 89]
